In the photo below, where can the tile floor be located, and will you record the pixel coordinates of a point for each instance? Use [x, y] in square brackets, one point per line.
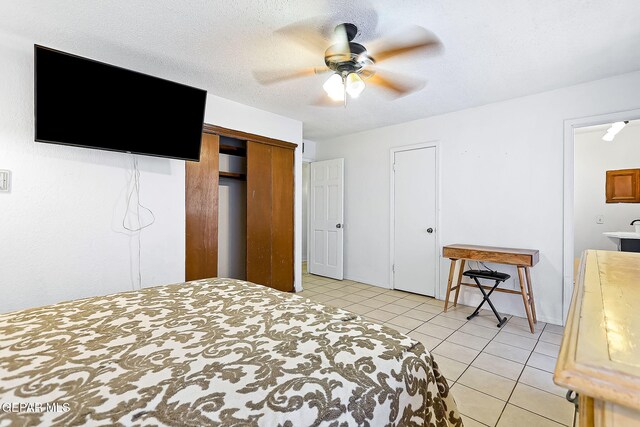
[499, 377]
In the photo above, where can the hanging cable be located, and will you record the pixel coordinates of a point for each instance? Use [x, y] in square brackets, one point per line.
[135, 189]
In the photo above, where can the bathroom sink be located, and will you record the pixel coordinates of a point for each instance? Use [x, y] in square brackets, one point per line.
[622, 235]
[628, 240]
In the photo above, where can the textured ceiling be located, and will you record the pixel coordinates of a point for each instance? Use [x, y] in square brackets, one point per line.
[493, 49]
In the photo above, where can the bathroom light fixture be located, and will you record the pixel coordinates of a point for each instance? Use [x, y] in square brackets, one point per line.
[613, 130]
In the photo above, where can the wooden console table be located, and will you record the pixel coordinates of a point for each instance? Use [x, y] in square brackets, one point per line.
[523, 259]
[600, 357]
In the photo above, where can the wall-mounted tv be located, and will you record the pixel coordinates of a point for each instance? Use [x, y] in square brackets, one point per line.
[86, 103]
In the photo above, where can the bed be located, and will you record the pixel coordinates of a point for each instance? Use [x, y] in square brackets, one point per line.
[217, 352]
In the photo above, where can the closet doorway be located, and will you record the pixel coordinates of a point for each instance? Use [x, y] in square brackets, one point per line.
[414, 195]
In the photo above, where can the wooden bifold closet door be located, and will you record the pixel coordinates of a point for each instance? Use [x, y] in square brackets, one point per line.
[201, 209]
[270, 201]
[269, 209]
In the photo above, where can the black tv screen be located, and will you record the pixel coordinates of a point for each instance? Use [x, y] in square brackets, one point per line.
[87, 103]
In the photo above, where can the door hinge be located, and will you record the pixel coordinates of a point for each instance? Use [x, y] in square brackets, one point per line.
[393, 268]
[394, 167]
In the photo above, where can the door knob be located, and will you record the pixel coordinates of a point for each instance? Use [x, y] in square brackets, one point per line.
[429, 230]
[338, 225]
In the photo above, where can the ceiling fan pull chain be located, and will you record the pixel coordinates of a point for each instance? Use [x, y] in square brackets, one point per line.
[344, 89]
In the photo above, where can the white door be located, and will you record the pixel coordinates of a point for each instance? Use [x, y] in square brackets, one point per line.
[414, 205]
[326, 218]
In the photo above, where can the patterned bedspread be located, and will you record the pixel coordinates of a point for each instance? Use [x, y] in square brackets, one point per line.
[213, 352]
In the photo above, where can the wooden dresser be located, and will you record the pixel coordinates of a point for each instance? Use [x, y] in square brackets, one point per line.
[600, 353]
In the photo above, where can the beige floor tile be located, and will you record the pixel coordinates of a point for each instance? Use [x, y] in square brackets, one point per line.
[429, 308]
[498, 365]
[488, 383]
[470, 422]
[512, 416]
[435, 330]
[542, 380]
[547, 349]
[407, 303]
[358, 309]
[394, 308]
[429, 342]
[542, 403]
[381, 316]
[461, 308]
[435, 302]
[356, 299]
[420, 315]
[373, 303]
[366, 293]
[450, 369]
[456, 352]
[321, 298]
[479, 406]
[551, 338]
[479, 331]
[522, 330]
[455, 314]
[405, 321]
[339, 294]
[447, 322]
[419, 298]
[468, 340]
[519, 341]
[394, 293]
[386, 298]
[488, 320]
[523, 321]
[541, 361]
[554, 329]
[507, 352]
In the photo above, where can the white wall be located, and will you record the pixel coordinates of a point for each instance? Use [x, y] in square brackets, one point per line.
[305, 208]
[501, 182]
[593, 157]
[309, 150]
[60, 226]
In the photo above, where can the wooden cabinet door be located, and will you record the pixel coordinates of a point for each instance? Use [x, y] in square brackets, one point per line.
[623, 186]
[201, 208]
[270, 215]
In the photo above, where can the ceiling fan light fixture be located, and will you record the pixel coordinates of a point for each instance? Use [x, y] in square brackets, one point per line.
[334, 87]
[355, 85]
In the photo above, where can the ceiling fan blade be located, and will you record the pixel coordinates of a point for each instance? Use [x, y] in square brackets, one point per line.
[395, 84]
[306, 34]
[277, 76]
[414, 40]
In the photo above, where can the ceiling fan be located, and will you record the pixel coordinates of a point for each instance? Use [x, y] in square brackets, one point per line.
[351, 64]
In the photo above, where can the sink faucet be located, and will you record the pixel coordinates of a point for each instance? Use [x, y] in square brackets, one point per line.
[634, 221]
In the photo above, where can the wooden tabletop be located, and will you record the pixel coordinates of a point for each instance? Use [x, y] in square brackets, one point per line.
[600, 353]
[512, 256]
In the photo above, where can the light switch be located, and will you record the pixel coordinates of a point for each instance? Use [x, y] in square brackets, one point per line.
[5, 181]
[600, 219]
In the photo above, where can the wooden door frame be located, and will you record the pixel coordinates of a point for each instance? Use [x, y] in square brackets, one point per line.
[392, 152]
[568, 231]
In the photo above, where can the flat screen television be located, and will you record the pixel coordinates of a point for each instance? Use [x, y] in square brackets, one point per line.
[86, 103]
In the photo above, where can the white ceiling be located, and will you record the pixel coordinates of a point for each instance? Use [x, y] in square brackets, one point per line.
[494, 49]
